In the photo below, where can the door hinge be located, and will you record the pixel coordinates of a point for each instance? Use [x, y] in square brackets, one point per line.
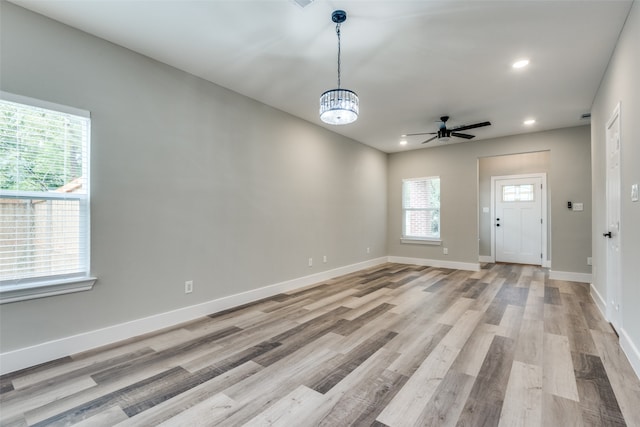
[540, 255]
[540, 220]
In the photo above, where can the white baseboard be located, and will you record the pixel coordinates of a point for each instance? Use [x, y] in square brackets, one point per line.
[455, 265]
[51, 350]
[631, 351]
[570, 276]
[600, 302]
[628, 347]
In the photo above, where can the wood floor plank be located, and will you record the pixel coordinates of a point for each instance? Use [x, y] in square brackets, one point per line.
[558, 411]
[523, 399]
[578, 331]
[361, 396]
[558, 373]
[447, 403]
[110, 417]
[418, 348]
[182, 402]
[472, 355]
[619, 371]
[347, 363]
[530, 342]
[391, 345]
[24, 400]
[288, 410]
[407, 406]
[597, 398]
[490, 385]
[203, 413]
[453, 313]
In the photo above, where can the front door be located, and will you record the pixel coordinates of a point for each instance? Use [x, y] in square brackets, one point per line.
[518, 220]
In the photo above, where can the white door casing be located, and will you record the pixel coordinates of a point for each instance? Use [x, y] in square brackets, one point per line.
[612, 230]
[519, 218]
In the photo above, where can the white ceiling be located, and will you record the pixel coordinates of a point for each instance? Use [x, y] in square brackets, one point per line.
[409, 61]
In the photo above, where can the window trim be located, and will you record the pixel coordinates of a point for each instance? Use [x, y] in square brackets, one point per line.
[434, 241]
[44, 286]
[47, 287]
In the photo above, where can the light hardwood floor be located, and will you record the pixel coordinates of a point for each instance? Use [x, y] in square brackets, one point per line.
[393, 345]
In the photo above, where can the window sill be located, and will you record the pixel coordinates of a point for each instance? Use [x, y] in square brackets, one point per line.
[45, 288]
[414, 241]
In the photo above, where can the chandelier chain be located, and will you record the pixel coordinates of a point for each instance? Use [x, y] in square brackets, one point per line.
[338, 33]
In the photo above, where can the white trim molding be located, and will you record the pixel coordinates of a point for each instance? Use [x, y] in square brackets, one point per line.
[456, 265]
[631, 351]
[629, 348]
[570, 276]
[51, 350]
[21, 292]
[598, 300]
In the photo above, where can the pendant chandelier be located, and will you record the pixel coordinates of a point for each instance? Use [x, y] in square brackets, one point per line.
[339, 106]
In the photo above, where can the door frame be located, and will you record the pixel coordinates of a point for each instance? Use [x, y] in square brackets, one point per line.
[545, 213]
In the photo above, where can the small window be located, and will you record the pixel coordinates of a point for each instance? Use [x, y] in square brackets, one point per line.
[44, 196]
[421, 208]
[517, 193]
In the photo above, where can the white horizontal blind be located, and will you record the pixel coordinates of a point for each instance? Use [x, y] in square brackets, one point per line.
[44, 192]
[421, 208]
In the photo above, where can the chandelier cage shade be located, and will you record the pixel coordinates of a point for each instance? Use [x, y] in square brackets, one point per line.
[339, 106]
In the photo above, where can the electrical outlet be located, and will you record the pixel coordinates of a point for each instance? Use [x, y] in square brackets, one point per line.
[188, 286]
[310, 262]
[368, 250]
[324, 259]
[445, 251]
[589, 261]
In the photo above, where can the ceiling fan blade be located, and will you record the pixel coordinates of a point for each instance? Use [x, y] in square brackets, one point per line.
[430, 139]
[473, 126]
[422, 133]
[462, 135]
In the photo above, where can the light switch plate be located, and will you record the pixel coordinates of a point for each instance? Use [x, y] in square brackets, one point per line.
[634, 192]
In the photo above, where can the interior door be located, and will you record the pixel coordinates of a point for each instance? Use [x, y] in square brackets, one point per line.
[612, 232]
[518, 220]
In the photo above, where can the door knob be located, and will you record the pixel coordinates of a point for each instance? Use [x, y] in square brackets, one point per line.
[607, 234]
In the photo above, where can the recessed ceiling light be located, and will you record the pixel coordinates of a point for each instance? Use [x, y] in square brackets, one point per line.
[521, 63]
[403, 135]
[403, 142]
[529, 122]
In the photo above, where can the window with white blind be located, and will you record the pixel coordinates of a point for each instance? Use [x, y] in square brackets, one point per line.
[421, 210]
[44, 199]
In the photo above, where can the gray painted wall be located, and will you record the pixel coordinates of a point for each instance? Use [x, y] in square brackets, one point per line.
[621, 83]
[190, 181]
[457, 165]
[514, 164]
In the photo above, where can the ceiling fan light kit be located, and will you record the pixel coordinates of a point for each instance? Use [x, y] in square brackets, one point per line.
[339, 106]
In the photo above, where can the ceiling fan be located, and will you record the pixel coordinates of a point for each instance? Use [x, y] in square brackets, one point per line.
[444, 134]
